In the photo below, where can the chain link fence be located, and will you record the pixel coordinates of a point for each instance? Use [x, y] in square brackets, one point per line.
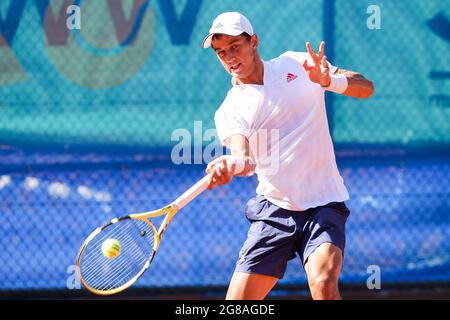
[88, 116]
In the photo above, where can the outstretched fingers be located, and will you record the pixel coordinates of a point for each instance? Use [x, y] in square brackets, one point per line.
[324, 62]
[312, 53]
[321, 50]
[317, 58]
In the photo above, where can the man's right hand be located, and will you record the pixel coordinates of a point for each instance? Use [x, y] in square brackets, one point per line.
[238, 163]
[221, 171]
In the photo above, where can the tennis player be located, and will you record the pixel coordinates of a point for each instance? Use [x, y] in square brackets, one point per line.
[299, 207]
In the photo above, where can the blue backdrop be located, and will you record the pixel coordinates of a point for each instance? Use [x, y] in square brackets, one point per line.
[88, 123]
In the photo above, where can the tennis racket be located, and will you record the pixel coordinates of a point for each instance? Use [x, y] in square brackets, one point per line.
[137, 241]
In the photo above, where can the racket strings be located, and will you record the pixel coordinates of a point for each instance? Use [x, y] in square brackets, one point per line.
[105, 273]
[92, 274]
[116, 267]
[91, 254]
[122, 269]
[136, 239]
[117, 232]
[96, 275]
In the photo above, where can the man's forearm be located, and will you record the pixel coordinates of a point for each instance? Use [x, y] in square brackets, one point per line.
[240, 151]
[358, 85]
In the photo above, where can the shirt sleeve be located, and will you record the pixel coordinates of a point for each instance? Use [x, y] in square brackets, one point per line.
[302, 56]
[229, 122]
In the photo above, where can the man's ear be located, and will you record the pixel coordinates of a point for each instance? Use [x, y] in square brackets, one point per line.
[254, 41]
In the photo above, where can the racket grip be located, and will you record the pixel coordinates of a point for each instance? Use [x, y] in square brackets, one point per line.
[191, 193]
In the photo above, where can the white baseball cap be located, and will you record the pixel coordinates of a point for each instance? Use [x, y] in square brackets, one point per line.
[229, 23]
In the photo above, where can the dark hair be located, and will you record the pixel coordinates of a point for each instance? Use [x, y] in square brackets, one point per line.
[246, 36]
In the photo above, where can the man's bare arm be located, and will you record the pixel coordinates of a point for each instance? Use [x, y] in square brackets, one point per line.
[354, 85]
[358, 85]
[239, 147]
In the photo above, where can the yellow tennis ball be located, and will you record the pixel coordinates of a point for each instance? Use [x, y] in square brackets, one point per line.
[111, 248]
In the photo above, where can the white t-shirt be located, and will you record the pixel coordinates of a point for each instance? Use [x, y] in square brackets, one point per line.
[286, 124]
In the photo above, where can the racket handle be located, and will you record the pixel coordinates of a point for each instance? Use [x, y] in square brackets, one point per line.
[193, 192]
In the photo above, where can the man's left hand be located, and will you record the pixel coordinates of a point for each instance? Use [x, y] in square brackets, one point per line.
[318, 71]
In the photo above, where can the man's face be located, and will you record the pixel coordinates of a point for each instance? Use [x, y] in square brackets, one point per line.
[236, 53]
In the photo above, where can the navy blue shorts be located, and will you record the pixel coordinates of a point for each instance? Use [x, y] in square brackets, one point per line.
[276, 235]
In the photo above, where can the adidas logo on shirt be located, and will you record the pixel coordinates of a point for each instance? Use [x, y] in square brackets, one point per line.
[290, 77]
